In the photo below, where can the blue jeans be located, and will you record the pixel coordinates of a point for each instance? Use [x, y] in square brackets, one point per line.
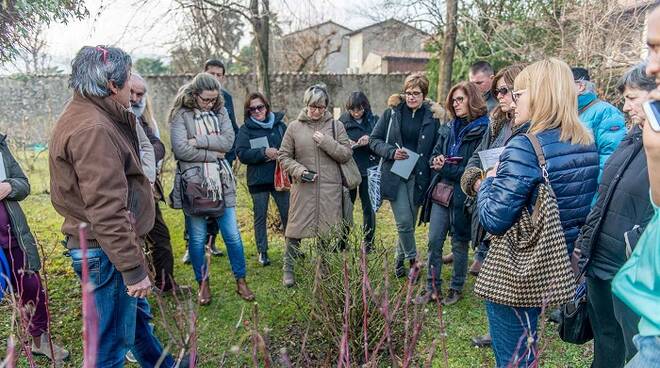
[228, 226]
[123, 320]
[510, 329]
[405, 216]
[439, 225]
[648, 352]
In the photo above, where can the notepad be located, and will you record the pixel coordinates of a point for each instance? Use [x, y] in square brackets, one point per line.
[261, 142]
[3, 174]
[404, 168]
[490, 157]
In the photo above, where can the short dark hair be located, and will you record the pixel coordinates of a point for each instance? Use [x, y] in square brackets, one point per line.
[251, 97]
[580, 74]
[216, 63]
[357, 100]
[482, 66]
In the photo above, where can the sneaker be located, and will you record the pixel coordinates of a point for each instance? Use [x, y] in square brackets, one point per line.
[453, 296]
[215, 251]
[482, 341]
[130, 357]
[186, 257]
[288, 279]
[61, 354]
[263, 259]
[427, 297]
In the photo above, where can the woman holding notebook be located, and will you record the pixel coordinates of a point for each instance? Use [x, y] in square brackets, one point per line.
[404, 137]
[445, 205]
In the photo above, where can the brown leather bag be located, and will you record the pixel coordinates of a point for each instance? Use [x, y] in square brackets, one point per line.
[442, 193]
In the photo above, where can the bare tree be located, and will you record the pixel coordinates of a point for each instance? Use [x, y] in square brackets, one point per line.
[446, 60]
[31, 56]
[306, 50]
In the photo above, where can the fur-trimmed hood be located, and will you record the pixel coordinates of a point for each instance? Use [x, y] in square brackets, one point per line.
[439, 112]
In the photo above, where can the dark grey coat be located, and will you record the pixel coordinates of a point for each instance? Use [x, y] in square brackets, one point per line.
[20, 189]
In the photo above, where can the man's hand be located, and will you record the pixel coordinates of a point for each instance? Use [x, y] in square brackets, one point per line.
[271, 153]
[363, 141]
[438, 162]
[141, 289]
[318, 137]
[400, 154]
[5, 189]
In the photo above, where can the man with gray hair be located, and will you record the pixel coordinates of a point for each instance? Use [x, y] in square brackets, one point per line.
[158, 239]
[96, 179]
[605, 121]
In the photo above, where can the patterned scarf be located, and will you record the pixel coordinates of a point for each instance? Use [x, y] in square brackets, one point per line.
[206, 123]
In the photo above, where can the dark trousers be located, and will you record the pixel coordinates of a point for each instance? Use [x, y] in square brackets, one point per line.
[368, 215]
[260, 209]
[160, 250]
[613, 324]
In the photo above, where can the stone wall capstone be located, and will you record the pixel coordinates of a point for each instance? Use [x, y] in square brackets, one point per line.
[30, 105]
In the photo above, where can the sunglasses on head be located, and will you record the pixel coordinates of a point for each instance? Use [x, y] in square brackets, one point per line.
[257, 108]
[502, 91]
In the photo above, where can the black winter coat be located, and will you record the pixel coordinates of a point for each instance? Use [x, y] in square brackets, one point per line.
[20, 189]
[622, 210]
[260, 171]
[461, 223]
[363, 156]
[389, 183]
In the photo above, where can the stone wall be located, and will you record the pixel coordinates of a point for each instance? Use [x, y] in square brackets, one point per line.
[29, 106]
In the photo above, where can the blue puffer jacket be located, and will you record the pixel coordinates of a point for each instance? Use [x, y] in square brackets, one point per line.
[606, 123]
[573, 173]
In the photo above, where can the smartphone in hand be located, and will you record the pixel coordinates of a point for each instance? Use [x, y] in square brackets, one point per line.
[453, 160]
[308, 176]
[652, 110]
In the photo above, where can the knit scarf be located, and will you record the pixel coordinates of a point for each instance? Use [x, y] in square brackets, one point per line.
[206, 123]
[459, 133]
[268, 123]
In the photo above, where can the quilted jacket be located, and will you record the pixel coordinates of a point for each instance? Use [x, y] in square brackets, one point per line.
[572, 171]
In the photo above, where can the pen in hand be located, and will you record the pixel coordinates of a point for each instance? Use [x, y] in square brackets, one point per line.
[400, 153]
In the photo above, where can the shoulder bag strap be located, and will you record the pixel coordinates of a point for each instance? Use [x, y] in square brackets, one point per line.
[387, 135]
[585, 108]
[542, 164]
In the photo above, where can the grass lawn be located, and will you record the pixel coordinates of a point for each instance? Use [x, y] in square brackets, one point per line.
[219, 339]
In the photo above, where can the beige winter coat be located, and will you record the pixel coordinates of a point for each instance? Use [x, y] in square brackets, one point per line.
[315, 208]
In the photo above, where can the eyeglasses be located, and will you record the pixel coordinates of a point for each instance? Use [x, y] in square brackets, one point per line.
[515, 95]
[207, 101]
[316, 108]
[414, 94]
[458, 100]
[502, 91]
[257, 108]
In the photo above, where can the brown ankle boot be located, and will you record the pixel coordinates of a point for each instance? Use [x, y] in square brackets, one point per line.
[243, 290]
[204, 294]
[449, 258]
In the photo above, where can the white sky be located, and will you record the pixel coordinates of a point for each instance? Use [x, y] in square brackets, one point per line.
[145, 29]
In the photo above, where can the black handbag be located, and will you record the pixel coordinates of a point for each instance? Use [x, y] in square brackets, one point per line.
[574, 323]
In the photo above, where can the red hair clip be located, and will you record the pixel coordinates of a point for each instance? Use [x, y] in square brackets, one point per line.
[104, 52]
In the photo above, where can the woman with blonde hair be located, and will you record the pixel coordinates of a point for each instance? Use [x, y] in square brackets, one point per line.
[558, 152]
[201, 134]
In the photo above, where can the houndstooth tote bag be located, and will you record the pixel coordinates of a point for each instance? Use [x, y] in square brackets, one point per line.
[529, 266]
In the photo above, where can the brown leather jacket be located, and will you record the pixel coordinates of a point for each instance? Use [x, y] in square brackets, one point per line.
[96, 178]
